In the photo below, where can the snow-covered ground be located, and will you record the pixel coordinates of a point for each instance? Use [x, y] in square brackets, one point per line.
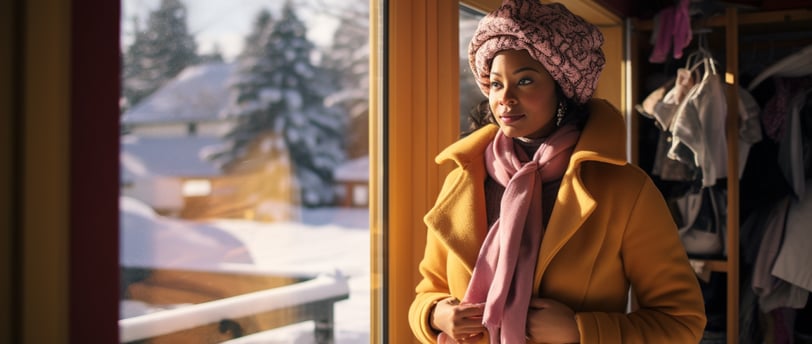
[324, 241]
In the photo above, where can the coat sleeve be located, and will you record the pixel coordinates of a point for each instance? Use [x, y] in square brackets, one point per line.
[432, 287]
[671, 308]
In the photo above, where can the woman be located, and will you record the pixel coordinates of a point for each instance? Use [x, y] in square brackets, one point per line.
[542, 228]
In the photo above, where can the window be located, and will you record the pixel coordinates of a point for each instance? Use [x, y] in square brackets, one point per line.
[470, 94]
[245, 171]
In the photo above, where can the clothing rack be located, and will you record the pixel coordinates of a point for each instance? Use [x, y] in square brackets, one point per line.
[731, 21]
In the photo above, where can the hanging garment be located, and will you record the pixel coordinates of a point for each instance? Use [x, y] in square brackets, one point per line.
[790, 150]
[673, 30]
[646, 107]
[792, 263]
[775, 111]
[750, 130]
[663, 112]
[663, 104]
[795, 65]
[703, 222]
[774, 292]
[699, 126]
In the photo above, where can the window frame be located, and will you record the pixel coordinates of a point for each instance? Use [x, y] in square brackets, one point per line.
[421, 93]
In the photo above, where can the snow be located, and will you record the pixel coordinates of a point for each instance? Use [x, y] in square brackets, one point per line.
[152, 241]
[198, 93]
[326, 241]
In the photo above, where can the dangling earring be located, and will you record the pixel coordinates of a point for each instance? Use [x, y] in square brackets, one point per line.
[559, 114]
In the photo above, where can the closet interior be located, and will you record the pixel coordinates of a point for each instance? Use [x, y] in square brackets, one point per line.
[723, 124]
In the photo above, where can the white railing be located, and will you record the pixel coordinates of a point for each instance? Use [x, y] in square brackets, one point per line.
[323, 287]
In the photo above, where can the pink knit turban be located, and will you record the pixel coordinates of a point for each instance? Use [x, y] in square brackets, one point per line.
[565, 44]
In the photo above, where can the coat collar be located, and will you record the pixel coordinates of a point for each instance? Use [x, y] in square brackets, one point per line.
[458, 211]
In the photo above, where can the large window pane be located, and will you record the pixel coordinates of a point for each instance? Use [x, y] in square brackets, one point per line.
[244, 171]
[470, 95]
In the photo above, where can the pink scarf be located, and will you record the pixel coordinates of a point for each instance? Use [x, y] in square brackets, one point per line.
[499, 280]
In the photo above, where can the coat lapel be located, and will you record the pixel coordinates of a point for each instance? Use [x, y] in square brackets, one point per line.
[458, 217]
[457, 224]
[574, 205]
[574, 201]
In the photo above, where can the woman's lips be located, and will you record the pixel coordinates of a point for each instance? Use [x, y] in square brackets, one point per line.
[510, 118]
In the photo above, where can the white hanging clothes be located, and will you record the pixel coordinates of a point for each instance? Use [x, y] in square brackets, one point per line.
[790, 150]
[795, 65]
[699, 126]
[792, 263]
[666, 107]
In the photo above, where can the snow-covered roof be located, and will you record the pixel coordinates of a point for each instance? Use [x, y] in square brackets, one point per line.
[198, 93]
[353, 170]
[166, 156]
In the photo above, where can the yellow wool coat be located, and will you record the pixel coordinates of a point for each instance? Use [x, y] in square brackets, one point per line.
[610, 230]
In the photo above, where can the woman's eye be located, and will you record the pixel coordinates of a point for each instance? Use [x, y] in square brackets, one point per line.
[525, 81]
[495, 84]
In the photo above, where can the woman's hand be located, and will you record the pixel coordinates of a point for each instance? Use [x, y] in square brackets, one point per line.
[461, 322]
[550, 321]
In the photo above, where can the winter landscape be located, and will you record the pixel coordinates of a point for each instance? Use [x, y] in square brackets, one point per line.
[241, 153]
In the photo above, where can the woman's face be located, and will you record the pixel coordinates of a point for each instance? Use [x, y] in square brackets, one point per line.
[522, 95]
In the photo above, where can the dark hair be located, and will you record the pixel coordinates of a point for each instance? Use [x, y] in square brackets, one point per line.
[481, 115]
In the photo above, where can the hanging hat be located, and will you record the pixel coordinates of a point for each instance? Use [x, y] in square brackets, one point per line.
[565, 44]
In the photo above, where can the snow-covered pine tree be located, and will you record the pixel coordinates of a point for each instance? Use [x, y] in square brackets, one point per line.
[278, 89]
[159, 52]
[244, 103]
[348, 64]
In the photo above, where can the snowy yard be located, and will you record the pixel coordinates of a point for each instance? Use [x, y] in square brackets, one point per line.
[326, 240]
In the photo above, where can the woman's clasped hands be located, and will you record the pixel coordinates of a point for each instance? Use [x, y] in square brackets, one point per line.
[461, 322]
[548, 321]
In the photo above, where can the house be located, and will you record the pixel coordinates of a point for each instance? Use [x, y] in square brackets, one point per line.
[163, 155]
[352, 183]
[188, 105]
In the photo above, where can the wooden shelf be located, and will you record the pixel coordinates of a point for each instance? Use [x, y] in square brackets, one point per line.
[744, 18]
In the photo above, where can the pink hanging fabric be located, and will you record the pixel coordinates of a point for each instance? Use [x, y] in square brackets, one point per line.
[673, 30]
